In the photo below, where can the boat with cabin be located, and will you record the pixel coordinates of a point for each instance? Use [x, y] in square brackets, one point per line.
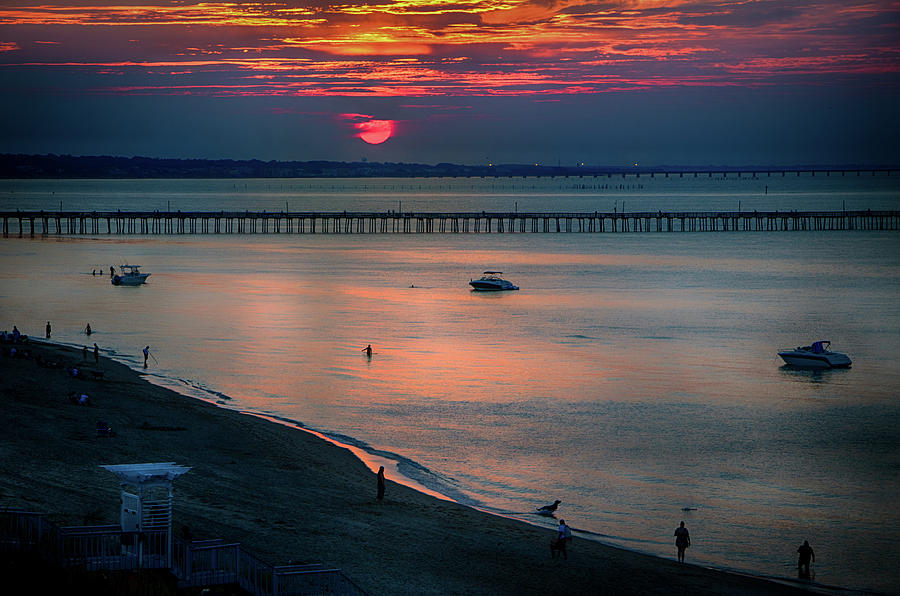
[491, 281]
[130, 276]
[816, 355]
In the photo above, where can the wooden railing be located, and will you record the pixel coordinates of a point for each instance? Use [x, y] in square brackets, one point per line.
[194, 563]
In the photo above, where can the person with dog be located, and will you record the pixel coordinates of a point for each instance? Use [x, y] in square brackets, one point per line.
[563, 535]
[682, 541]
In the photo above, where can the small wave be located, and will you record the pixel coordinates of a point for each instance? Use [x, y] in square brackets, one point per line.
[286, 420]
[410, 469]
[198, 386]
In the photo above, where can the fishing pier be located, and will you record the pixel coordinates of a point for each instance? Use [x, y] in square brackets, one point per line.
[152, 223]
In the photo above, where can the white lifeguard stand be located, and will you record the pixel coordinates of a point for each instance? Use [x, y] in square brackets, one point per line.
[147, 506]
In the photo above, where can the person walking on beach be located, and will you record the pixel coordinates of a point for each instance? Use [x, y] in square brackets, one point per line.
[48, 329]
[146, 355]
[682, 541]
[96, 354]
[806, 555]
[380, 483]
[563, 536]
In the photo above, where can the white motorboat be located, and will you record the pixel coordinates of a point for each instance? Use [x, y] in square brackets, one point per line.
[130, 276]
[816, 355]
[491, 281]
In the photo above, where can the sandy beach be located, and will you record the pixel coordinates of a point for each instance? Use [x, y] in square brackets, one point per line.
[288, 496]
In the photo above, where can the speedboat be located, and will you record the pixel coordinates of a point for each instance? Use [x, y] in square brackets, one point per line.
[491, 282]
[131, 276]
[816, 355]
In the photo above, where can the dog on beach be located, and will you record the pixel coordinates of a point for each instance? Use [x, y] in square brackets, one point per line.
[548, 509]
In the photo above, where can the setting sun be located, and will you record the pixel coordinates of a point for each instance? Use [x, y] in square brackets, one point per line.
[375, 132]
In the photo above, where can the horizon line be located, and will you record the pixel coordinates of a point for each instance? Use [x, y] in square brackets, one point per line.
[7, 158]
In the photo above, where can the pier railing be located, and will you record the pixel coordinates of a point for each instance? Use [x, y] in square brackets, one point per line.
[80, 223]
[195, 563]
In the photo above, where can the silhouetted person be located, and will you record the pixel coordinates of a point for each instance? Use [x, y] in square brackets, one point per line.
[682, 541]
[146, 355]
[806, 555]
[88, 329]
[48, 329]
[368, 350]
[84, 352]
[563, 535]
[96, 354]
[381, 483]
[112, 271]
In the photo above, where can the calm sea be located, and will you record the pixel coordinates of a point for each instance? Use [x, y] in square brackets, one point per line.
[632, 376]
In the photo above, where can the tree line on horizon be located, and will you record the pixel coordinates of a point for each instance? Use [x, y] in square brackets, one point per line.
[71, 166]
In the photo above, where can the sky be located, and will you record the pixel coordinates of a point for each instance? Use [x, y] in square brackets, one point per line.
[654, 82]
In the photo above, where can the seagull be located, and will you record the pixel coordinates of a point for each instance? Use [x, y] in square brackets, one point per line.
[549, 509]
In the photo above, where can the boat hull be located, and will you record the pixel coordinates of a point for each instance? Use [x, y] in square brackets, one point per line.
[129, 280]
[811, 360]
[483, 286]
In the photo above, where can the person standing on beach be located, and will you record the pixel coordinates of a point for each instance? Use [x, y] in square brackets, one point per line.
[48, 329]
[563, 536]
[682, 541]
[96, 354]
[380, 483]
[146, 355]
[806, 555]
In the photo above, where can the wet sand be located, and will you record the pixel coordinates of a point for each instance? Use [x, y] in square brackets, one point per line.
[288, 496]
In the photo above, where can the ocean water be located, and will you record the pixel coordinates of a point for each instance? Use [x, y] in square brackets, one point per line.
[632, 376]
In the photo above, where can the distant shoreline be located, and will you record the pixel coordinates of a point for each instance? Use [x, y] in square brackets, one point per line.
[51, 166]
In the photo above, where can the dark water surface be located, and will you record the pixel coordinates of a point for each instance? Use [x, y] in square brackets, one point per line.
[633, 375]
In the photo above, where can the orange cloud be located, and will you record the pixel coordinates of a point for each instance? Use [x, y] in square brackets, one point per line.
[420, 48]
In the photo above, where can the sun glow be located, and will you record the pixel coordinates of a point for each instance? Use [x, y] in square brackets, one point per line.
[374, 132]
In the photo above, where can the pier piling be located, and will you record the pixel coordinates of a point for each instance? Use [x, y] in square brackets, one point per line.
[157, 223]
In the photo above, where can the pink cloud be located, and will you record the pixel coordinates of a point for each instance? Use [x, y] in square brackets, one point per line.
[405, 49]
